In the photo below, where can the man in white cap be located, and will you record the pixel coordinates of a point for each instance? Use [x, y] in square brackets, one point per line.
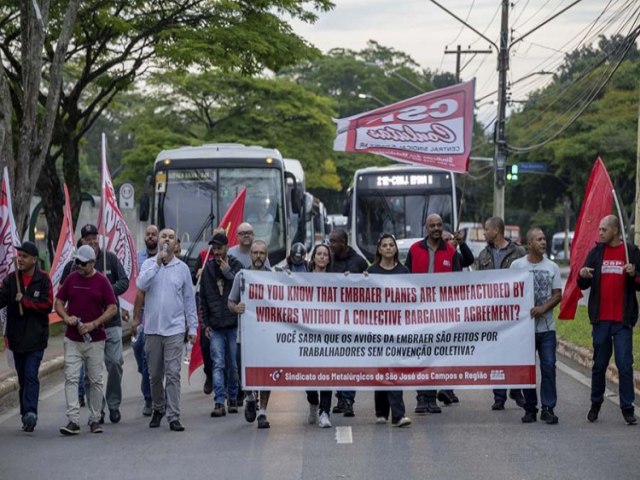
[85, 302]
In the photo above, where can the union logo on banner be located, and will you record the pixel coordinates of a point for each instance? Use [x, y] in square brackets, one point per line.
[433, 129]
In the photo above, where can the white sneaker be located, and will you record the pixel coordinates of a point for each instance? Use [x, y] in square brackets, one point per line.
[313, 414]
[324, 420]
[381, 420]
[403, 422]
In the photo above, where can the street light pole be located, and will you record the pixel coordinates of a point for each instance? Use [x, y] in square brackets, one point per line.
[500, 135]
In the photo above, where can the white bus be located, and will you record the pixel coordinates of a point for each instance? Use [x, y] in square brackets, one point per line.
[396, 199]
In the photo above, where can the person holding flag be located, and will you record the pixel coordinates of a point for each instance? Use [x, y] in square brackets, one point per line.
[612, 271]
[28, 296]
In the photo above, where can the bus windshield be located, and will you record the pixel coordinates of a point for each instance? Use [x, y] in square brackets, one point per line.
[191, 195]
[400, 214]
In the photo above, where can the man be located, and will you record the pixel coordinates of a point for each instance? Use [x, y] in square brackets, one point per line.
[242, 250]
[259, 255]
[169, 305]
[547, 290]
[28, 299]
[205, 344]
[113, 359]
[85, 302]
[611, 271]
[500, 252]
[433, 254]
[221, 325]
[150, 250]
[345, 260]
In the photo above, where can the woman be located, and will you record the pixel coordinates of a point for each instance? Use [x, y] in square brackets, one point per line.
[321, 262]
[386, 261]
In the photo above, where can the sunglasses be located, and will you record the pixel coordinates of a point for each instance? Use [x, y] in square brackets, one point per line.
[80, 263]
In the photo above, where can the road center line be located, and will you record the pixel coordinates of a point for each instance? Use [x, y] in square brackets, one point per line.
[343, 435]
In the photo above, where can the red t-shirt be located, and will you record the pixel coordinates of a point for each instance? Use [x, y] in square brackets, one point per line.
[87, 298]
[612, 283]
[26, 279]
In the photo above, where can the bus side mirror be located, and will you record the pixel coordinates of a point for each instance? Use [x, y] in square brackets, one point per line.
[308, 206]
[143, 212]
[346, 205]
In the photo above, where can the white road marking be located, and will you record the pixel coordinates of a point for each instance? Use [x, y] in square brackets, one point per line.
[343, 435]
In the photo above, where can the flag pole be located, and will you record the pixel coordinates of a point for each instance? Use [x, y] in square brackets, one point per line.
[15, 270]
[624, 234]
[103, 201]
[464, 187]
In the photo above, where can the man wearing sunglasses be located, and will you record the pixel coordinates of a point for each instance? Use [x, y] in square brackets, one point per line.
[85, 302]
[113, 359]
[242, 250]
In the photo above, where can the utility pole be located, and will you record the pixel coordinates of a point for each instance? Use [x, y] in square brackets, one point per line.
[500, 134]
[458, 52]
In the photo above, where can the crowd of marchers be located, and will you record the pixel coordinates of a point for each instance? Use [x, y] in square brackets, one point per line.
[169, 310]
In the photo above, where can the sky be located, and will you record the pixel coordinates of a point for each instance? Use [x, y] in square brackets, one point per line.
[421, 29]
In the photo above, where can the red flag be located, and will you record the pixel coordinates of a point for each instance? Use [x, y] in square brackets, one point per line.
[8, 235]
[433, 129]
[116, 237]
[230, 222]
[597, 203]
[66, 244]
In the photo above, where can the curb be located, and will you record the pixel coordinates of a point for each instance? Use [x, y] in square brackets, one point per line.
[583, 356]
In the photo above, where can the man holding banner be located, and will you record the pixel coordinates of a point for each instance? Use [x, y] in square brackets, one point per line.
[612, 270]
[433, 255]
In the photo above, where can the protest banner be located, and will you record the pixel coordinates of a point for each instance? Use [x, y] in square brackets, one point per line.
[463, 330]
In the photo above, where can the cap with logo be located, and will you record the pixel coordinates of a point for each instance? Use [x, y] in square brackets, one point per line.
[88, 229]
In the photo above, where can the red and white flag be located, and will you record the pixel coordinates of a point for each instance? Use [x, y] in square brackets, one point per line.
[597, 203]
[66, 244]
[115, 234]
[433, 129]
[8, 234]
[230, 222]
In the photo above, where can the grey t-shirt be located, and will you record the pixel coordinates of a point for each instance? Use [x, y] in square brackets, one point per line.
[235, 293]
[546, 277]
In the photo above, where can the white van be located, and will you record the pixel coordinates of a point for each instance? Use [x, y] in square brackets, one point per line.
[557, 246]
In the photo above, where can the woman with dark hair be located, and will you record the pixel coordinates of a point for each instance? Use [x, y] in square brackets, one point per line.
[321, 262]
[387, 261]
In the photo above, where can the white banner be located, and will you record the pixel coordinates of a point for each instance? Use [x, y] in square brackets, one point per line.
[330, 331]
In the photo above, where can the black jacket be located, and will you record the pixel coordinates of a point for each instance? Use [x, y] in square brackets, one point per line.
[352, 263]
[116, 275]
[213, 303]
[594, 260]
[28, 332]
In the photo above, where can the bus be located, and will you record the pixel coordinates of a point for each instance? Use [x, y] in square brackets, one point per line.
[194, 186]
[396, 199]
[557, 246]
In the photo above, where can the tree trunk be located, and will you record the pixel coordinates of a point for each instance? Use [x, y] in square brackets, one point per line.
[52, 197]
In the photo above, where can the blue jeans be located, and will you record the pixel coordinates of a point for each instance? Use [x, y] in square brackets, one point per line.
[223, 353]
[608, 337]
[546, 348]
[27, 366]
[143, 367]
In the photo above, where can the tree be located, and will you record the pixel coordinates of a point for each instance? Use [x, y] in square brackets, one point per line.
[26, 119]
[115, 42]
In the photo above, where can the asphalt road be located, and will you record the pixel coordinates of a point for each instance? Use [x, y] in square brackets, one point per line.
[467, 441]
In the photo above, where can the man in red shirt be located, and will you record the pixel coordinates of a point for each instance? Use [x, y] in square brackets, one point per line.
[613, 311]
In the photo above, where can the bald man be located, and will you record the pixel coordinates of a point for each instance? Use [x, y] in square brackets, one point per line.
[611, 271]
[433, 254]
[242, 251]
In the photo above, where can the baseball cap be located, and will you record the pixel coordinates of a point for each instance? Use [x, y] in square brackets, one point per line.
[219, 239]
[28, 248]
[88, 229]
[85, 254]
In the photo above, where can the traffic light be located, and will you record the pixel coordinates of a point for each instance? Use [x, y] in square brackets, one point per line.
[512, 173]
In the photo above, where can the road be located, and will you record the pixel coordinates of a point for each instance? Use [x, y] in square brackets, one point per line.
[467, 441]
